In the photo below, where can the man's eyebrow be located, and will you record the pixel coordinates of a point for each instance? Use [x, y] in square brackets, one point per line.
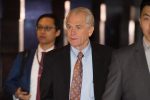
[67, 24]
[145, 14]
[78, 25]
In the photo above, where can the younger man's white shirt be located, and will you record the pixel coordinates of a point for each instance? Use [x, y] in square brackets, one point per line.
[34, 73]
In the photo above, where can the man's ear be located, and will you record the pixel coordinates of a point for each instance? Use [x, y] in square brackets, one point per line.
[57, 33]
[91, 31]
[139, 21]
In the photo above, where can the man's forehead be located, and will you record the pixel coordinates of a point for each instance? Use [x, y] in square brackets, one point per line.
[146, 8]
[146, 11]
[79, 24]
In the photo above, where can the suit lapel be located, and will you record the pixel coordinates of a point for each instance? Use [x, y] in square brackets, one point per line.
[66, 62]
[98, 71]
[140, 58]
[141, 71]
[142, 66]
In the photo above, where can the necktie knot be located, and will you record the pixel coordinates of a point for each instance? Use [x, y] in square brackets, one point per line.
[80, 55]
[43, 53]
[42, 57]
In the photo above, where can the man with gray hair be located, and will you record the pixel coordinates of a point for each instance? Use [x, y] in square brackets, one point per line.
[78, 70]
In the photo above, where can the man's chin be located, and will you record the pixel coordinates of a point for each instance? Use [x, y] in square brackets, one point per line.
[43, 42]
[74, 44]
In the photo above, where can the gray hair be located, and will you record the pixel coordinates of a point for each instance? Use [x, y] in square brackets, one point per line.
[86, 11]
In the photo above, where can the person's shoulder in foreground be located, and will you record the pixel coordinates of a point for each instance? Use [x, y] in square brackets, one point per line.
[129, 72]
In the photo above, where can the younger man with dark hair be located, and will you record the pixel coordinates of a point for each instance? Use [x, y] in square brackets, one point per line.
[24, 85]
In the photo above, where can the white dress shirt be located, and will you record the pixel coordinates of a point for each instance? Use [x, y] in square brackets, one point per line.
[35, 70]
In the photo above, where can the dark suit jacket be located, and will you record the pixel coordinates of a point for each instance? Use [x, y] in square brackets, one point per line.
[129, 77]
[55, 81]
[14, 79]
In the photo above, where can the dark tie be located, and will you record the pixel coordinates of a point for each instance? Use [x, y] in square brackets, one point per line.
[39, 76]
[75, 90]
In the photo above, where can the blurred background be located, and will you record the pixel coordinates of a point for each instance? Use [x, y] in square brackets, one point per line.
[116, 24]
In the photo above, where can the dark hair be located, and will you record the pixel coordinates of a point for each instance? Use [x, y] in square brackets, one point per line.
[48, 15]
[143, 4]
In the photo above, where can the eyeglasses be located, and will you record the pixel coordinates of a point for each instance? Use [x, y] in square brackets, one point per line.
[46, 28]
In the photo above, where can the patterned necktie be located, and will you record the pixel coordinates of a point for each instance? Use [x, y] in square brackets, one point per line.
[75, 90]
[39, 76]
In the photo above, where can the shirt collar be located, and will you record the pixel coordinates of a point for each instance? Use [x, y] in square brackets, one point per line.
[146, 44]
[41, 50]
[85, 51]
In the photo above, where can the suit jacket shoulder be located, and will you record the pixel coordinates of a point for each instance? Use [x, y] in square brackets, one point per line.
[101, 49]
[129, 75]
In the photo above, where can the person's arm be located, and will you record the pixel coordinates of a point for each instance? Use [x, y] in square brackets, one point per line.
[113, 90]
[11, 83]
[21, 95]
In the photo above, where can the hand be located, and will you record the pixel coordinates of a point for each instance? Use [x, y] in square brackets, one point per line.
[22, 95]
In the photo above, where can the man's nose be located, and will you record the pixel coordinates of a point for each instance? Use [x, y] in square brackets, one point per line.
[43, 29]
[73, 30]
